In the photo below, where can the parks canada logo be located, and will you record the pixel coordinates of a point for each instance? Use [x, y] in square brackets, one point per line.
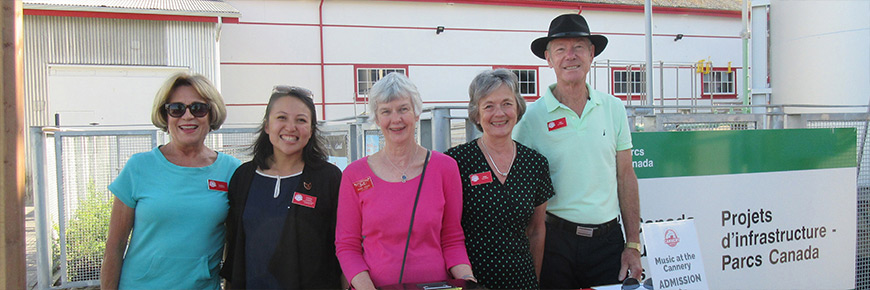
[671, 238]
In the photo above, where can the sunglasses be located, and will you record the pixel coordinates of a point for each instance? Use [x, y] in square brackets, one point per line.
[176, 110]
[632, 284]
[284, 89]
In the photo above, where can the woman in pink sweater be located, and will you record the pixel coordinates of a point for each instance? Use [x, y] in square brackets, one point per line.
[377, 200]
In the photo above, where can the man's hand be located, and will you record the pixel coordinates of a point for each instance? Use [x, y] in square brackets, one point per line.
[630, 264]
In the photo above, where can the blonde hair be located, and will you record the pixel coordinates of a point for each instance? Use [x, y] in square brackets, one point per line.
[217, 109]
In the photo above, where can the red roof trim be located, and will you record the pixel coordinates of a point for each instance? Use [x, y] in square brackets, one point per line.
[662, 10]
[590, 6]
[520, 3]
[134, 16]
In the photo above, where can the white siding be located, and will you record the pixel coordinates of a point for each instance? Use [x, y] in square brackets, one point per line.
[283, 38]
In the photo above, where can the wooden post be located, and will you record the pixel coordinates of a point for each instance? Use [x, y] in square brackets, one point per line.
[13, 271]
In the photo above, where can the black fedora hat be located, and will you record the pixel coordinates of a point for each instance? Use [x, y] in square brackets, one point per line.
[568, 26]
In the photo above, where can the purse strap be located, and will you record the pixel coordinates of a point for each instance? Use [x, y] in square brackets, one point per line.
[413, 213]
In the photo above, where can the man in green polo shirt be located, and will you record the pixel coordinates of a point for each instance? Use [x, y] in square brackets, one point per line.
[584, 134]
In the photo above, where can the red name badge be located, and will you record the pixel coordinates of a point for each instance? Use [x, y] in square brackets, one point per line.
[217, 185]
[556, 124]
[363, 184]
[481, 178]
[304, 200]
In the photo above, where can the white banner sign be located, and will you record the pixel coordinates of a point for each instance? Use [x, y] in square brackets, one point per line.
[773, 209]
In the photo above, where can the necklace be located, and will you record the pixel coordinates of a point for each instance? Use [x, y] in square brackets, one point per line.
[513, 155]
[404, 175]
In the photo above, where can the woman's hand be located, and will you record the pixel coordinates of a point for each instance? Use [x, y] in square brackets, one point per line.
[363, 281]
[537, 232]
[463, 271]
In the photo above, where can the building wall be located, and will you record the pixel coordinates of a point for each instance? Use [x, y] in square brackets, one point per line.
[58, 40]
[801, 50]
[278, 42]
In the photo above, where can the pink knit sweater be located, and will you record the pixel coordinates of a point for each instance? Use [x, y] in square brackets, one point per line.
[373, 220]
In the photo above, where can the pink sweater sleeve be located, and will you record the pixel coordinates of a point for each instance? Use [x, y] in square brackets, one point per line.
[348, 230]
[452, 236]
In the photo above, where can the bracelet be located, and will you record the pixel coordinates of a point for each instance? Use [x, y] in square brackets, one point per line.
[633, 245]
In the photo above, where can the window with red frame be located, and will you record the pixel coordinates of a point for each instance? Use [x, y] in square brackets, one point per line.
[719, 83]
[366, 77]
[528, 80]
[629, 83]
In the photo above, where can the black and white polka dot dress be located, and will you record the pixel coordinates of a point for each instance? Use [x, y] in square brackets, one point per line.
[495, 215]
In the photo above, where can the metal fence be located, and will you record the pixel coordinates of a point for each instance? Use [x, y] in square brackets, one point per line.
[72, 168]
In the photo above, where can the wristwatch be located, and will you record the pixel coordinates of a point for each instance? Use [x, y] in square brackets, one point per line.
[633, 245]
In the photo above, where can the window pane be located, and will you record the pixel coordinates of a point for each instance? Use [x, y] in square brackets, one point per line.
[526, 81]
[366, 77]
[619, 88]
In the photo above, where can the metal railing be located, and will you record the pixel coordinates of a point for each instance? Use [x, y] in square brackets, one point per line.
[72, 167]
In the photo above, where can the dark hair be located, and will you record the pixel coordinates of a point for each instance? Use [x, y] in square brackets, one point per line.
[262, 147]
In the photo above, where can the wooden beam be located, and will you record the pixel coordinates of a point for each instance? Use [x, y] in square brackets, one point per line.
[13, 271]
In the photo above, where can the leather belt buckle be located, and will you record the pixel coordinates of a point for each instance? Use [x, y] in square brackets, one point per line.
[584, 231]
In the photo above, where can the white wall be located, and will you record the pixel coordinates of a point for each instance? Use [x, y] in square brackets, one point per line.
[109, 95]
[819, 53]
[279, 42]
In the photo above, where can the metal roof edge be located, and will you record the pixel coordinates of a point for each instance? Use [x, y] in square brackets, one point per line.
[31, 6]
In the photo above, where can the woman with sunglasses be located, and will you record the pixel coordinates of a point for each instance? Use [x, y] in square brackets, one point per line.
[281, 225]
[173, 198]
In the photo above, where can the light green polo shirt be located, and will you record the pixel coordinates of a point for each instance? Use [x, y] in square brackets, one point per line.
[582, 153]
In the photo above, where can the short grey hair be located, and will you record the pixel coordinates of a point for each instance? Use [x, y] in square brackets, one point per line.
[392, 87]
[487, 82]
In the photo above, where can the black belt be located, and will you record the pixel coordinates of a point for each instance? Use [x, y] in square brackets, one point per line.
[584, 230]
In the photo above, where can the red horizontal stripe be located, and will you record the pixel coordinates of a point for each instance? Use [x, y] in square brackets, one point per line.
[372, 66]
[634, 97]
[614, 66]
[339, 103]
[277, 23]
[543, 32]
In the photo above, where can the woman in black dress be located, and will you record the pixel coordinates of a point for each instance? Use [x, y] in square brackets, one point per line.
[281, 223]
[505, 188]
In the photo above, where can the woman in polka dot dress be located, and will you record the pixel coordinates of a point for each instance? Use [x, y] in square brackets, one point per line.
[505, 188]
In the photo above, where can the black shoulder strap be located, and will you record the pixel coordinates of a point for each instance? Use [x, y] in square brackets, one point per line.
[413, 213]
